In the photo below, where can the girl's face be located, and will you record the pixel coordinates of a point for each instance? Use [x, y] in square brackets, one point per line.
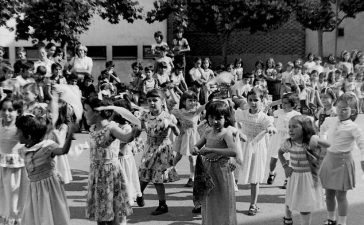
[230, 68]
[238, 65]
[149, 74]
[346, 57]
[51, 51]
[351, 78]
[42, 53]
[326, 100]
[90, 115]
[216, 122]
[310, 58]
[206, 64]
[254, 103]
[8, 113]
[191, 103]
[295, 130]
[158, 39]
[179, 35]
[154, 104]
[57, 71]
[314, 77]
[359, 77]
[286, 105]
[343, 110]
[135, 70]
[279, 67]
[198, 64]
[337, 77]
[8, 75]
[81, 53]
[29, 96]
[270, 63]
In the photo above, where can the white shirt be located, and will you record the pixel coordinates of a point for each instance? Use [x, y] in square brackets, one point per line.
[47, 64]
[342, 135]
[81, 64]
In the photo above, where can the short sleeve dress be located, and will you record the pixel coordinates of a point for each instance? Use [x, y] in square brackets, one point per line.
[157, 161]
[107, 191]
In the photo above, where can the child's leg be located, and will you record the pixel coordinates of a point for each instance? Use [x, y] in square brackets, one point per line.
[288, 212]
[192, 166]
[254, 193]
[273, 164]
[161, 191]
[143, 185]
[177, 158]
[305, 218]
[330, 204]
[342, 207]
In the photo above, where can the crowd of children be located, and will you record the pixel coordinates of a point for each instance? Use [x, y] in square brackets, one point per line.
[230, 119]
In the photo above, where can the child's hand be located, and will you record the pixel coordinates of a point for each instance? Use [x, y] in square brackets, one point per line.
[288, 171]
[195, 150]
[204, 151]
[271, 130]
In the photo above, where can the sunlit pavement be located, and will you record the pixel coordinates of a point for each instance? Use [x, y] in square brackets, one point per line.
[179, 198]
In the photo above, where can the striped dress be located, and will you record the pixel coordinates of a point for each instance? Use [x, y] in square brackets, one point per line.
[303, 194]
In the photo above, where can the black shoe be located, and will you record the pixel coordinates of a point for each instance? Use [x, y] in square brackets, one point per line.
[271, 178]
[140, 201]
[284, 185]
[189, 183]
[160, 210]
[197, 210]
[253, 210]
[330, 222]
[287, 221]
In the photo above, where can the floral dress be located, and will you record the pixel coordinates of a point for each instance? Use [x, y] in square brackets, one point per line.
[157, 161]
[107, 192]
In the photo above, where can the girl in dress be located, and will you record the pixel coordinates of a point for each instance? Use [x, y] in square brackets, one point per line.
[281, 119]
[31, 103]
[238, 68]
[337, 172]
[187, 117]
[107, 197]
[13, 180]
[157, 161]
[46, 202]
[254, 124]
[303, 190]
[345, 64]
[328, 99]
[218, 205]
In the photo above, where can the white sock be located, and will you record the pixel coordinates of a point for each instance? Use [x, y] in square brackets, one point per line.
[305, 219]
[272, 172]
[331, 215]
[341, 220]
[192, 176]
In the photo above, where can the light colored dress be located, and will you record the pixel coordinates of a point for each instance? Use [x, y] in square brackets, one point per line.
[107, 190]
[218, 205]
[157, 161]
[128, 164]
[281, 121]
[303, 193]
[46, 203]
[188, 128]
[13, 178]
[255, 148]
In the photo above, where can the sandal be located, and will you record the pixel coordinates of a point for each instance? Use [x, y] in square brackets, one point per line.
[287, 221]
[330, 222]
[253, 210]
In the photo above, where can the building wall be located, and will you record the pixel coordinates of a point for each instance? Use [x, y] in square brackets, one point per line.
[352, 39]
[102, 33]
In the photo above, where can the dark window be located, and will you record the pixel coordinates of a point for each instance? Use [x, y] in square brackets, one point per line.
[340, 32]
[31, 53]
[147, 52]
[6, 53]
[96, 52]
[125, 52]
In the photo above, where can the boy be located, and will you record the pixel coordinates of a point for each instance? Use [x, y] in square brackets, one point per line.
[180, 47]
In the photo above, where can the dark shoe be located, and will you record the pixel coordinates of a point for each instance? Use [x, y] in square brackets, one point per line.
[189, 183]
[140, 201]
[330, 222]
[284, 184]
[197, 210]
[287, 221]
[253, 210]
[271, 178]
[160, 210]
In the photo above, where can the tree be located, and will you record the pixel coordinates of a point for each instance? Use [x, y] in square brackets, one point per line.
[63, 21]
[223, 17]
[8, 9]
[321, 15]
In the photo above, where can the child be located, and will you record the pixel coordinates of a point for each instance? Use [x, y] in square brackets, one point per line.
[328, 99]
[359, 90]
[208, 75]
[149, 83]
[359, 67]
[303, 190]
[157, 161]
[281, 119]
[57, 74]
[337, 172]
[238, 68]
[178, 80]
[164, 58]
[349, 84]
[30, 97]
[345, 64]
[161, 75]
[158, 37]
[218, 205]
[46, 202]
[87, 87]
[13, 182]
[108, 200]
[254, 124]
[180, 46]
[136, 80]
[286, 79]
[187, 117]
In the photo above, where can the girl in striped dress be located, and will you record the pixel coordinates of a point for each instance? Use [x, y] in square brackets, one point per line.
[303, 189]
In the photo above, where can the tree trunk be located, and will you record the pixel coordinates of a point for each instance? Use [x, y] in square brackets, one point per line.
[320, 46]
[225, 42]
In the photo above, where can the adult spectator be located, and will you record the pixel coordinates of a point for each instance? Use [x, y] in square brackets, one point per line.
[81, 64]
[22, 59]
[43, 59]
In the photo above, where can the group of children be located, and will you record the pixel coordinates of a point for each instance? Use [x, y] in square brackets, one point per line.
[229, 120]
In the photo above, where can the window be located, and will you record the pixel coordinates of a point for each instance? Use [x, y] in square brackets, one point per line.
[147, 52]
[340, 32]
[125, 52]
[6, 53]
[31, 53]
[96, 52]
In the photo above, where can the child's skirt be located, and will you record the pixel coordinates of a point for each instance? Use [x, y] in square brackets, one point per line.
[63, 168]
[338, 171]
[131, 176]
[13, 192]
[303, 194]
[185, 142]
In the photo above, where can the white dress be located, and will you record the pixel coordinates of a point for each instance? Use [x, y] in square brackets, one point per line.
[255, 149]
[128, 164]
[281, 120]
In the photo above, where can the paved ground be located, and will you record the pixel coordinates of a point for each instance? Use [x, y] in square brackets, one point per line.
[180, 204]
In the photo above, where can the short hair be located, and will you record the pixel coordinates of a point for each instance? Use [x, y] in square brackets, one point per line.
[159, 34]
[27, 66]
[32, 127]
[291, 97]
[56, 66]
[352, 101]
[148, 69]
[50, 45]
[95, 102]
[32, 87]
[41, 70]
[58, 51]
[109, 64]
[154, 94]
[137, 64]
[72, 76]
[256, 92]
[328, 91]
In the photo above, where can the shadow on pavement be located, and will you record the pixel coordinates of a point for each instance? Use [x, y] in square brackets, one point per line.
[77, 212]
